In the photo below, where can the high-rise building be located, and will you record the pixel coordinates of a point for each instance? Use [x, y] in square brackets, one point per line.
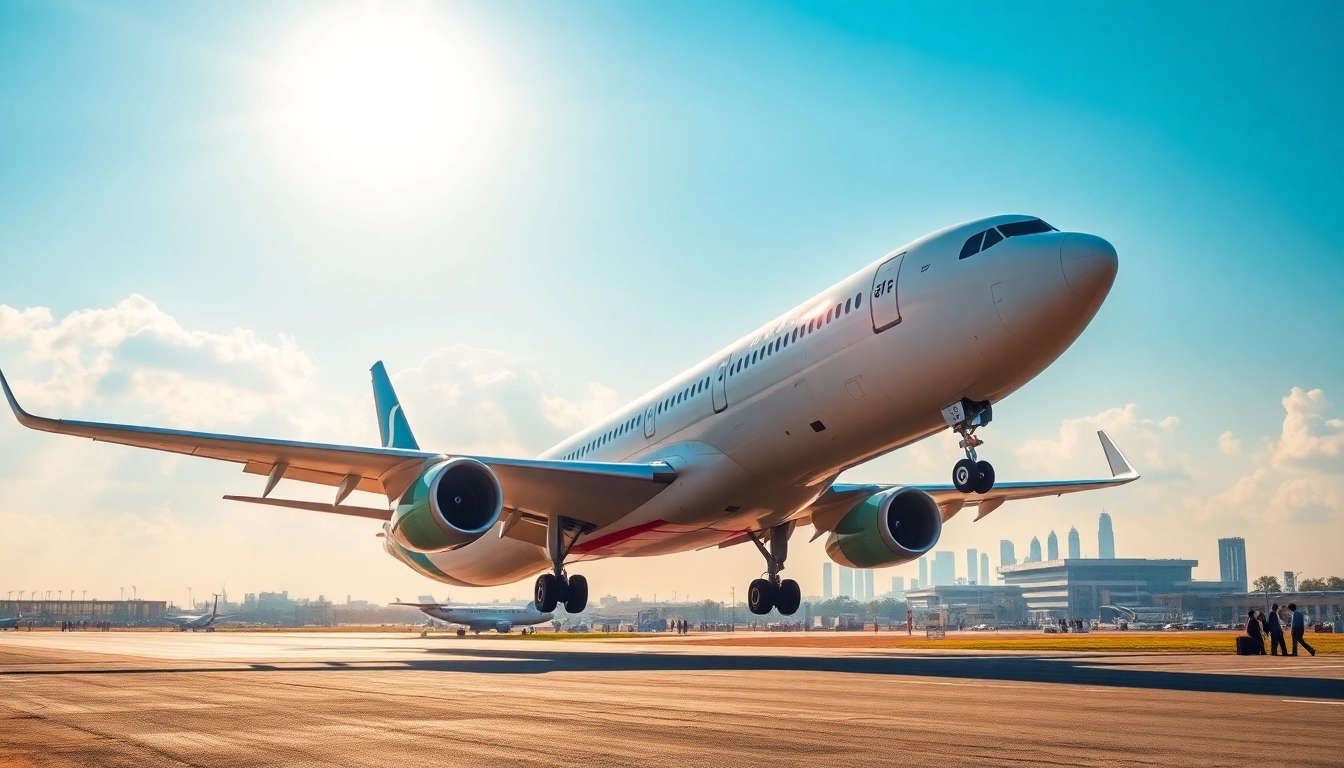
[898, 585]
[972, 565]
[1052, 546]
[1289, 581]
[984, 567]
[914, 584]
[1034, 554]
[1075, 545]
[924, 571]
[944, 569]
[826, 593]
[1006, 554]
[868, 590]
[1105, 538]
[846, 582]
[1232, 561]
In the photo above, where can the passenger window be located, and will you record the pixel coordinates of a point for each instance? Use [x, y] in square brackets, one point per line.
[847, 303]
[991, 237]
[858, 299]
[837, 311]
[972, 245]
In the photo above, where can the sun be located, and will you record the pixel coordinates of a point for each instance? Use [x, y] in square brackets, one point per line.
[383, 93]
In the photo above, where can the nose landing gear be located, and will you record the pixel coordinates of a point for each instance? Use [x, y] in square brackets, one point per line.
[557, 587]
[970, 475]
[783, 595]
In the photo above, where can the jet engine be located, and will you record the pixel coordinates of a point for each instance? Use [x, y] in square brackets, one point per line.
[450, 505]
[887, 528]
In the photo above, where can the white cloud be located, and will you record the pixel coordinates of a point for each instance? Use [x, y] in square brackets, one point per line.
[1229, 444]
[1143, 440]
[1309, 443]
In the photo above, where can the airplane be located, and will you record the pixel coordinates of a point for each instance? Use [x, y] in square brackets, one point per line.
[193, 623]
[744, 446]
[11, 622]
[479, 619]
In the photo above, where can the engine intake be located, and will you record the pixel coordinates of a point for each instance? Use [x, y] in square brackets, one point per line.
[450, 505]
[887, 528]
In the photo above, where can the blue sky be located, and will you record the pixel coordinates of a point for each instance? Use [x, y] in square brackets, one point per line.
[593, 196]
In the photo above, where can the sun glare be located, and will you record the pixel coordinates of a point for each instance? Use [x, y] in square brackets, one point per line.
[382, 95]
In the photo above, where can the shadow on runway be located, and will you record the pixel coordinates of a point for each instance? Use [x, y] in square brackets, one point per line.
[1021, 669]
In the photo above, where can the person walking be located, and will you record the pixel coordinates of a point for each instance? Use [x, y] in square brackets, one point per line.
[1299, 627]
[1253, 631]
[1275, 632]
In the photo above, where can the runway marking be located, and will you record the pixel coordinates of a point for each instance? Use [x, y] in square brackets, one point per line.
[1268, 669]
[1314, 701]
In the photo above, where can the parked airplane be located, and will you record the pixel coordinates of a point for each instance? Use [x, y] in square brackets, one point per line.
[480, 618]
[193, 623]
[741, 447]
[11, 623]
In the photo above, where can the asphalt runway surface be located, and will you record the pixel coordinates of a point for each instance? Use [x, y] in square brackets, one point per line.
[328, 699]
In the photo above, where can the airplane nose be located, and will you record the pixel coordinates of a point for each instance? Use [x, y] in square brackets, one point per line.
[1089, 263]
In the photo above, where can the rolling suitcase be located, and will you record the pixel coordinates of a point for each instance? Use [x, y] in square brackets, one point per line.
[1247, 646]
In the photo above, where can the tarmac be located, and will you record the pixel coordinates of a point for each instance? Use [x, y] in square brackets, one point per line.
[350, 699]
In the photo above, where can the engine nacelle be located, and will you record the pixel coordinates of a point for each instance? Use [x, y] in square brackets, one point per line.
[450, 505]
[887, 528]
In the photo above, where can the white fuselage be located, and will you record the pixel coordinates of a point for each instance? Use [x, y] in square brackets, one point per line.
[758, 430]
[487, 618]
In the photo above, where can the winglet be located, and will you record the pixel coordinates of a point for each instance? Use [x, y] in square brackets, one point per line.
[25, 418]
[1120, 466]
[393, 427]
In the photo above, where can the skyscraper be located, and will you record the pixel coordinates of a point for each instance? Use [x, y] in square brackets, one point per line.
[898, 585]
[1006, 554]
[944, 569]
[984, 567]
[868, 590]
[914, 584]
[1105, 538]
[1232, 561]
[924, 571]
[826, 593]
[846, 582]
[972, 565]
[1034, 554]
[1052, 546]
[1075, 544]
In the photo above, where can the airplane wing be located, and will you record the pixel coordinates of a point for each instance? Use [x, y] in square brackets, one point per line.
[593, 492]
[841, 497]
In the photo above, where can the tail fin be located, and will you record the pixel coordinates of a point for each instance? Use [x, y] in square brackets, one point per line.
[393, 428]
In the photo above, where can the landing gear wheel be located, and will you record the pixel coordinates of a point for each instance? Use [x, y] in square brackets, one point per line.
[760, 597]
[788, 597]
[548, 592]
[576, 595]
[461, 632]
[986, 482]
[965, 475]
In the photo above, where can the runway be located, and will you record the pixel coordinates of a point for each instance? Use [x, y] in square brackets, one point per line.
[249, 699]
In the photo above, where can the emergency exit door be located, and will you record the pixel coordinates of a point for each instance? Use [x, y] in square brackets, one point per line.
[882, 302]
[720, 387]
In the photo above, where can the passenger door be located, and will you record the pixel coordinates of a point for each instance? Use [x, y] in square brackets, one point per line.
[882, 302]
[648, 420]
[720, 387]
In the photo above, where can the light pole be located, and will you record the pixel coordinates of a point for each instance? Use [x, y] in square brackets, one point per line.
[733, 591]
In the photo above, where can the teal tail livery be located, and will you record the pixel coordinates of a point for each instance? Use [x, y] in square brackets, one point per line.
[393, 428]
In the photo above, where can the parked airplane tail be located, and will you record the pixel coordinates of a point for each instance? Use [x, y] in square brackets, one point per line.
[393, 428]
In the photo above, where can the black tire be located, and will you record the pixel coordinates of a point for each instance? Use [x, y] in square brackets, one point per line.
[788, 597]
[576, 595]
[965, 474]
[986, 482]
[461, 632]
[547, 592]
[760, 597]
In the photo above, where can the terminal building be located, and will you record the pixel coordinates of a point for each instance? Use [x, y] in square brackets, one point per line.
[1102, 589]
[119, 612]
[966, 604]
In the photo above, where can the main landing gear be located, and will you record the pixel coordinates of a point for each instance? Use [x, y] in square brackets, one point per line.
[771, 592]
[558, 588]
[970, 475]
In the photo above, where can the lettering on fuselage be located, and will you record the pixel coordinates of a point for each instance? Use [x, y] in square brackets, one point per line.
[885, 288]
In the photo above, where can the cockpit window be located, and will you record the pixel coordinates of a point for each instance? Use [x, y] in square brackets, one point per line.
[972, 245]
[1029, 227]
[992, 236]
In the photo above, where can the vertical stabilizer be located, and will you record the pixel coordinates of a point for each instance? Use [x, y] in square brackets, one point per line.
[393, 428]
